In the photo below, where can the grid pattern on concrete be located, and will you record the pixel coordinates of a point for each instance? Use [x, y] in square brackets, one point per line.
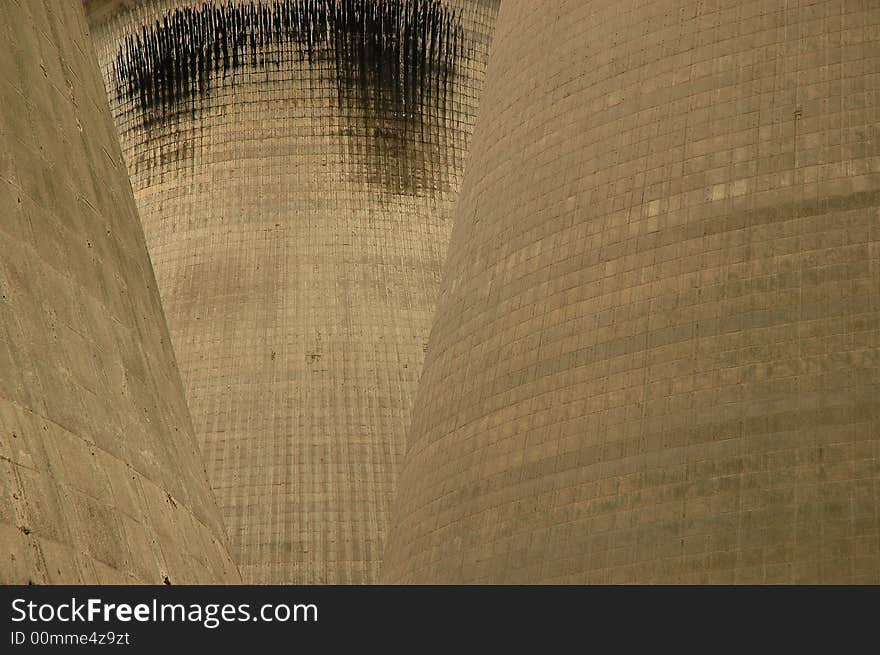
[297, 240]
[100, 476]
[656, 356]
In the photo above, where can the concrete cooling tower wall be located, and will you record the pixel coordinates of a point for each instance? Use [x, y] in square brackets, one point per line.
[656, 356]
[100, 476]
[295, 163]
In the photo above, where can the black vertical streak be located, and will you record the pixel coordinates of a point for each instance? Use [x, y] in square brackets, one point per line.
[393, 62]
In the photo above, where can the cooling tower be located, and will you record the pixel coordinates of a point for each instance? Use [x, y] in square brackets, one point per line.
[655, 355]
[100, 476]
[295, 164]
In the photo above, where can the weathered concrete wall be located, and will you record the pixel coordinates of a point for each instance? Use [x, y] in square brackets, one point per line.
[295, 165]
[656, 356]
[100, 476]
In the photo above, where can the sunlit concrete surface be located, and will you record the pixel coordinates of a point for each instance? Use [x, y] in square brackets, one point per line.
[100, 476]
[295, 165]
[656, 356]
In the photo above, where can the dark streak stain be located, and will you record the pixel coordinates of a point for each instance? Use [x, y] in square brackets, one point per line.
[393, 62]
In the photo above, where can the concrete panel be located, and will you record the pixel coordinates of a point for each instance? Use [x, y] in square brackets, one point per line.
[101, 480]
[295, 164]
[655, 357]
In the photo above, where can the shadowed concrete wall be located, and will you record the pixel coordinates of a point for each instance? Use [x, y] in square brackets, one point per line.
[656, 356]
[100, 476]
[295, 165]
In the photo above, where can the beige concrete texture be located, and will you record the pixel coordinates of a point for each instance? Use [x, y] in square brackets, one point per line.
[656, 356]
[295, 165]
[100, 476]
